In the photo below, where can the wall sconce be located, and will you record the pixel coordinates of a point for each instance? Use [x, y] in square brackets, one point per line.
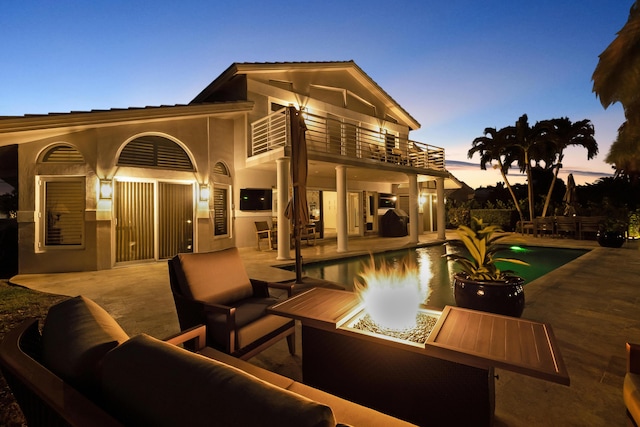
[106, 189]
[204, 193]
[422, 199]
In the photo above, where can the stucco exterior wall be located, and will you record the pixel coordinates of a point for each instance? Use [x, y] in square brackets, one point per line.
[206, 140]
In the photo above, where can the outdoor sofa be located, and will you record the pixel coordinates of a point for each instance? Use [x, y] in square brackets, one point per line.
[83, 369]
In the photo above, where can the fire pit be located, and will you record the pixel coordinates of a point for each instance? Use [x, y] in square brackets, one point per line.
[416, 335]
[382, 348]
[446, 381]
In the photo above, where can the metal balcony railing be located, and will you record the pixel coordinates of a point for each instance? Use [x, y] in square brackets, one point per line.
[342, 138]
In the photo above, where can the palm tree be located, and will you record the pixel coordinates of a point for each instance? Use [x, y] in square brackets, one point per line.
[494, 146]
[624, 153]
[563, 133]
[530, 144]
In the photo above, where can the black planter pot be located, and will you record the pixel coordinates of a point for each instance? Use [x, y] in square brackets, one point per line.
[610, 239]
[494, 297]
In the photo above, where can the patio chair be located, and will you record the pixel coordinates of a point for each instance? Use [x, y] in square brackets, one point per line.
[376, 152]
[589, 225]
[213, 289]
[543, 226]
[263, 231]
[525, 227]
[307, 233]
[566, 225]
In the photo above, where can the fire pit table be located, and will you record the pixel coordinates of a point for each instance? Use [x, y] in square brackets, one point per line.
[447, 380]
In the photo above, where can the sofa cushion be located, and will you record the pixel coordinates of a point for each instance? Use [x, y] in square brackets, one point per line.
[347, 412]
[77, 333]
[218, 277]
[149, 382]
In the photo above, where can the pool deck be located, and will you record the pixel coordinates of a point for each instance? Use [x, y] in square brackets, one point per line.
[592, 304]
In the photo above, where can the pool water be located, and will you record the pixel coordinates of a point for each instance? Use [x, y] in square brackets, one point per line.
[436, 271]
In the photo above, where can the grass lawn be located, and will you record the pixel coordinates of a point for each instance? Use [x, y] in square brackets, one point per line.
[17, 304]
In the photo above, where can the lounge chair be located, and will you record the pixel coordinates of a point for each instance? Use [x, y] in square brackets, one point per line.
[213, 289]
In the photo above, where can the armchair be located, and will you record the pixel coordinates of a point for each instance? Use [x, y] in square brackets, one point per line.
[631, 387]
[213, 289]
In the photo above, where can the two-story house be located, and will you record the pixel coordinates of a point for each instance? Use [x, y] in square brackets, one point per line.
[103, 188]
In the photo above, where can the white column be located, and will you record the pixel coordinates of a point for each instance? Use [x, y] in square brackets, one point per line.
[284, 229]
[440, 213]
[341, 187]
[414, 217]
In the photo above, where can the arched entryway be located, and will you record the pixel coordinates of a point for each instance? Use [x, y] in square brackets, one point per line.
[154, 217]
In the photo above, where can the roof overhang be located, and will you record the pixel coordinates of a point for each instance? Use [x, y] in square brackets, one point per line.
[346, 66]
[15, 130]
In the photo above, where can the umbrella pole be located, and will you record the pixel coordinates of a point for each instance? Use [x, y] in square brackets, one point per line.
[296, 236]
[296, 194]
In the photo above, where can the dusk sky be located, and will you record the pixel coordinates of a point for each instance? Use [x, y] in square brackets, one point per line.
[456, 66]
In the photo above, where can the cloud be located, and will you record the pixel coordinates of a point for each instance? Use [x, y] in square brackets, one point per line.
[475, 177]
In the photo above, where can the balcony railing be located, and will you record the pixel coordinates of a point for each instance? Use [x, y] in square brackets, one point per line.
[340, 138]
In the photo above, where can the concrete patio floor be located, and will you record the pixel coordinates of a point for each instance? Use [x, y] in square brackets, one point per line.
[592, 304]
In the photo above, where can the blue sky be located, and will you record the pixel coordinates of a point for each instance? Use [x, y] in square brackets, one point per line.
[457, 66]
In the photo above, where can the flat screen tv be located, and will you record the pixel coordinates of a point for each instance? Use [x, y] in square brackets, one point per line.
[255, 199]
[386, 201]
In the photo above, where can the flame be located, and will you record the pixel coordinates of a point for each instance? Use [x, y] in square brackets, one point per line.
[392, 294]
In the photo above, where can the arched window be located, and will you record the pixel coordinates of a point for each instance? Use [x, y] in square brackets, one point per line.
[62, 153]
[221, 169]
[152, 151]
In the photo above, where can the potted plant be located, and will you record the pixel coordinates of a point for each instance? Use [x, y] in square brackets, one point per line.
[612, 231]
[480, 284]
[614, 225]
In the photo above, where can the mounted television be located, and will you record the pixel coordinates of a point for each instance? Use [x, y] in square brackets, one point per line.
[255, 199]
[386, 201]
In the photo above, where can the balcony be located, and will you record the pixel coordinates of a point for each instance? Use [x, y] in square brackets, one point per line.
[341, 142]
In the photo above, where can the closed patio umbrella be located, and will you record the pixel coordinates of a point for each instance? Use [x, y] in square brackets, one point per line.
[297, 209]
[569, 198]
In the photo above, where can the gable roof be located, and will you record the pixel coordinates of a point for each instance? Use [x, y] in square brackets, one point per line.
[349, 67]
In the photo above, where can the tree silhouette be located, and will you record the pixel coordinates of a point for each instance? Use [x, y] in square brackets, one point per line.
[617, 79]
[495, 146]
[563, 133]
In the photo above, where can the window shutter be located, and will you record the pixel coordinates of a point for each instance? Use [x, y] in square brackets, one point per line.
[220, 202]
[155, 152]
[65, 212]
[63, 154]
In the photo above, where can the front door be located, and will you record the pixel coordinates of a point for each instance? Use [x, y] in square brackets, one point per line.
[175, 219]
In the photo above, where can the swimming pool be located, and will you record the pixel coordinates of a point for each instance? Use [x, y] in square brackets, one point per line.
[436, 271]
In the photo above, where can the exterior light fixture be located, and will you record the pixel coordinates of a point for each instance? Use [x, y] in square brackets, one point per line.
[106, 189]
[204, 192]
